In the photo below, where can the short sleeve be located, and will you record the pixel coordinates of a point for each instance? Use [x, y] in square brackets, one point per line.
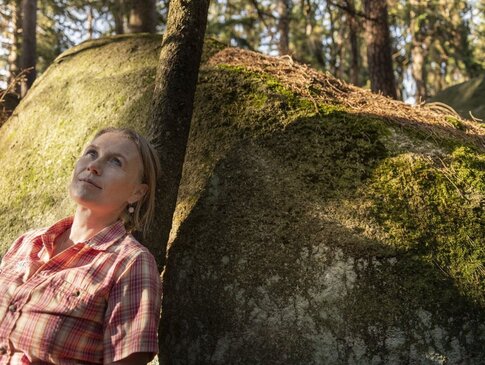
[133, 311]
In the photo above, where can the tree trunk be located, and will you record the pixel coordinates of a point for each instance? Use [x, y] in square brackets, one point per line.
[172, 106]
[314, 43]
[353, 25]
[142, 17]
[333, 47]
[118, 12]
[418, 71]
[14, 54]
[418, 52]
[90, 20]
[29, 52]
[379, 55]
[340, 48]
[284, 9]
[171, 115]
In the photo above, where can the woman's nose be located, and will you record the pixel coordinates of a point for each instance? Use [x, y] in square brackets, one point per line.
[94, 167]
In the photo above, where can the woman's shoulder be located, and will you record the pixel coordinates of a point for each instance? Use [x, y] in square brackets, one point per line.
[29, 236]
[131, 248]
[35, 233]
[23, 244]
[134, 259]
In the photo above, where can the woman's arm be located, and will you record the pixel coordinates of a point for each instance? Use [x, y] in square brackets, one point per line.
[133, 313]
[138, 358]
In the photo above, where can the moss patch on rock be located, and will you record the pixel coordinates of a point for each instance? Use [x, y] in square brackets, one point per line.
[434, 208]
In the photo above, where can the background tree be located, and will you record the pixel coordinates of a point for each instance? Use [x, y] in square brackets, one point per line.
[308, 44]
[284, 12]
[433, 44]
[354, 28]
[378, 40]
[478, 33]
[241, 23]
[14, 51]
[118, 12]
[421, 41]
[29, 43]
[142, 16]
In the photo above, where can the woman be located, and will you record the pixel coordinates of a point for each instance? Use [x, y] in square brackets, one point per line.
[84, 291]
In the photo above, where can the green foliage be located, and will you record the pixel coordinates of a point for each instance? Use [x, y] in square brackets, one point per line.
[235, 23]
[434, 208]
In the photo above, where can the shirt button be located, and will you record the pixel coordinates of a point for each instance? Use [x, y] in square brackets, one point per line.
[3, 350]
[12, 308]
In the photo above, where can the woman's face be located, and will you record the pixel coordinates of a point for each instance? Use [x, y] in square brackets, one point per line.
[108, 175]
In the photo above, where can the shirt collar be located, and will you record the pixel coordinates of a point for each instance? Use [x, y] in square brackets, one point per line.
[100, 241]
[107, 236]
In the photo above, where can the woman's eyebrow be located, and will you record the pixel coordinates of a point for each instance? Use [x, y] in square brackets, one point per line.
[91, 146]
[117, 154]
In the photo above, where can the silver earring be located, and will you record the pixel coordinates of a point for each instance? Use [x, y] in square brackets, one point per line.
[131, 209]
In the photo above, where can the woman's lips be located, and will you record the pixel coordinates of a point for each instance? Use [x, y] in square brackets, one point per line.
[89, 181]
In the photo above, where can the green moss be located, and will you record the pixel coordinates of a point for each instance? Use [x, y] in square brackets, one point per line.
[469, 167]
[434, 209]
[288, 100]
[455, 122]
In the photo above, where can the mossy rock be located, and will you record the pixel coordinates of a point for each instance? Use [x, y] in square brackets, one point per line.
[466, 97]
[304, 234]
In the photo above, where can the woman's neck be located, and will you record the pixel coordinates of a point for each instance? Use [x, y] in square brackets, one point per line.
[87, 223]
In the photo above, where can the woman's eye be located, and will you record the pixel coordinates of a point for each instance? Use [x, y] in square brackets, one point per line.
[116, 161]
[91, 153]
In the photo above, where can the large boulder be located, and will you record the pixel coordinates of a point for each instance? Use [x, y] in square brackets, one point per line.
[316, 223]
[466, 97]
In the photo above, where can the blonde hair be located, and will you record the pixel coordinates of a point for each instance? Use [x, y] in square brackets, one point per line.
[144, 212]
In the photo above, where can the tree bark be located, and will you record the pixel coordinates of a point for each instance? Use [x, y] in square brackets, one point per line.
[353, 25]
[171, 115]
[379, 55]
[284, 9]
[142, 17]
[418, 57]
[90, 21]
[314, 43]
[333, 47]
[172, 105]
[118, 13]
[418, 51]
[14, 54]
[29, 44]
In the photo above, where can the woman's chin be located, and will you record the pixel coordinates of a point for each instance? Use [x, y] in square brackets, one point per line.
[86, 201]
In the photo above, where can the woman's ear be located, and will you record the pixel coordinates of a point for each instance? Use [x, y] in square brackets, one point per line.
[138, 193]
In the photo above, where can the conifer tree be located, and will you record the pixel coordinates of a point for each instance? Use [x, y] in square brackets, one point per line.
[379, 48]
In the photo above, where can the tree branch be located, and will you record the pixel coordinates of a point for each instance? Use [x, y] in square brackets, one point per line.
[348, 9]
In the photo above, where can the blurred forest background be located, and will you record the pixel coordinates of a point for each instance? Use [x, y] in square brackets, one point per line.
[406, 49]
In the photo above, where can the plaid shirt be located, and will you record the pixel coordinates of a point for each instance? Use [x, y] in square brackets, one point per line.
[96, 302]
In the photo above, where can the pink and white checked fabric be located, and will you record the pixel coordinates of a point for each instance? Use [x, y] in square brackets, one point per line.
[96, 302]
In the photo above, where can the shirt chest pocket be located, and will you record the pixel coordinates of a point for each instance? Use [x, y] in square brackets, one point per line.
[63, 298]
